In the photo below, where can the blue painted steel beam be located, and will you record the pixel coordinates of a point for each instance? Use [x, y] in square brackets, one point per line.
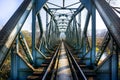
[108, 69]
[93, 52]
[41, 29]
[40, 25]
[103, 71]
[88, 4]
[63, 3]
[14, 61]
[54, 4]
[78, 10]
[79, 28]
[62, 9]
[25, 47]
[77, 37]
[104, 44]
[46, 8]
[114, 61]
[47, 24]
[114, 66]
[33, 35]
[72, 4]
[12, 28]
[110, 18]
[20, 67]
[84, 34]
[39, 4]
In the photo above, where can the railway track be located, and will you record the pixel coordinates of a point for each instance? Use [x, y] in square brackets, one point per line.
[60, 67]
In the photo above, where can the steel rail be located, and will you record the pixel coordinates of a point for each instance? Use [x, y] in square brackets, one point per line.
[74, 73]
[54, 71]
[76, 66]
[51, 64]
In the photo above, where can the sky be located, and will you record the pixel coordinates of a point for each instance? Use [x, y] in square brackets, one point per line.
[8, 7]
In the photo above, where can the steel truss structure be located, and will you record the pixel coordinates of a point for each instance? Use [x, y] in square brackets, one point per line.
[47, 48]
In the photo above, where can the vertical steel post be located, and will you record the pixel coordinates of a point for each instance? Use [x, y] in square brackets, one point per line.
[19, 68]
[14, 61]
[46, 24]
[114, 62]
[50, 32]
[79, 28]
[84, 35]
[63, 3]
[93, 52]
[77, 37]
[73, 35]
[40, 25]
[114, 67]
[73, 29]
[33, 34]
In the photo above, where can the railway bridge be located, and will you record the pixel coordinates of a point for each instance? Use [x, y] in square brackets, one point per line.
[64, 51]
